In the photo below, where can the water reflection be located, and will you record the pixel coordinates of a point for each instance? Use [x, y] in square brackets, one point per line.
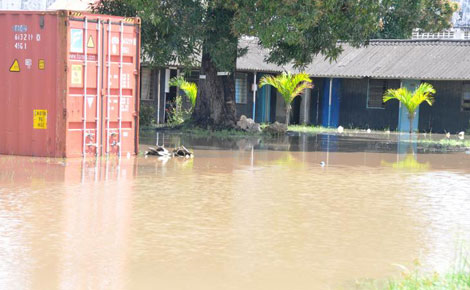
[260, 213]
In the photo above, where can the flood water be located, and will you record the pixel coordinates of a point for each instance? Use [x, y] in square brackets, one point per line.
[299, 212]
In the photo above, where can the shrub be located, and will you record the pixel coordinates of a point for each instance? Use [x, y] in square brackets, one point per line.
[147, 115]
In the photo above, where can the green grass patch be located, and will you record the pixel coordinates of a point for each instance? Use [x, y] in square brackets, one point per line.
[445, 143]
[311, 129]
[458, 278]
[217, 133]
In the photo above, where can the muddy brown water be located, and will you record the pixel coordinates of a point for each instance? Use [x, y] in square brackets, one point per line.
[300, 212]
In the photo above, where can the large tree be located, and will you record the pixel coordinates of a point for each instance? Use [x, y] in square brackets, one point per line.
[294, 31]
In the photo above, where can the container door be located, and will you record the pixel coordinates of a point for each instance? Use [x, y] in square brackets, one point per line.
[101, 106]
[403, 121]
[83, 104]
[121, 59]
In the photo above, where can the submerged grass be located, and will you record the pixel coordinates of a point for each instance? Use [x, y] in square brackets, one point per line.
[225, 133]
[445, 143]
[310, 129]
[458, 278]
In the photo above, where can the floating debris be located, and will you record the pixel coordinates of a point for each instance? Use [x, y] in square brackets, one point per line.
[461, 135]
[158, 151]
[182, 152]
[162, 152]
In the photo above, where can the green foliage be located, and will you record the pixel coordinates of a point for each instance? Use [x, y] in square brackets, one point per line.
[429, 15]
[411, 100]
[311, 129]
[177, 115]
[189, 88]
[146, 115]
[171, 30]
[456, 279]
[288, 85]
[179, 30]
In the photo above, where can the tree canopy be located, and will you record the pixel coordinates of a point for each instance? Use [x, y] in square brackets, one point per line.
[293, 30]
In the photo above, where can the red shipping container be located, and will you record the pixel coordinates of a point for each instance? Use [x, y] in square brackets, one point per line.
[69, 84]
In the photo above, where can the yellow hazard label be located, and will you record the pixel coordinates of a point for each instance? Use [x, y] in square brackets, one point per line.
[90, 43]
[41, 64]
[15, 67]
[40, 119]
[77, 74]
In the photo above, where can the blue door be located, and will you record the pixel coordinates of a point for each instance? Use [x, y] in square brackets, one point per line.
[263, 104]
[403, 121]
[330, 107]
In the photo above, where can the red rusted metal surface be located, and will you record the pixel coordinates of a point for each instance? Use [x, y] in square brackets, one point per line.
[69, 84]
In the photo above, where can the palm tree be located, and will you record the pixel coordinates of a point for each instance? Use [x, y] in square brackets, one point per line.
[411, 100]
[289, 86]
[190, 89]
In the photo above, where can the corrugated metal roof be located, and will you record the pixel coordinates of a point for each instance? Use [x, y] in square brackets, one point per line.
[391, 59]
[254, 59]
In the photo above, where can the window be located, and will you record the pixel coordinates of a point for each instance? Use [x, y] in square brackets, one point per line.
[241, 90]
[377, 89]
[466, 98]
[145, 92]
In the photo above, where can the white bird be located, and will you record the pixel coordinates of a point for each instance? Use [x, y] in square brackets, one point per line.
[368, 131]
[462, 135]
[448, 135]
[322, 164]
[340, 129]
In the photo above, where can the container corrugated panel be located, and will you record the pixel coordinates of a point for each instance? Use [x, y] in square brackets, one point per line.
[69, 84]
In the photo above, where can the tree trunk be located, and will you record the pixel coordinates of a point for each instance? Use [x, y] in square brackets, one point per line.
[411, 124]
[411, 117]
[215, 102]
[287, 114]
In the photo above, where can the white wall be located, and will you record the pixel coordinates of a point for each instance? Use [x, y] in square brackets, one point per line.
[25, 4]
[43, 4]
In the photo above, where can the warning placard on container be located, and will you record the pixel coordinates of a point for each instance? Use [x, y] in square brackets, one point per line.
[77, 74]
[90, 43]
[40, 119]
[15, 67]
[41, 64]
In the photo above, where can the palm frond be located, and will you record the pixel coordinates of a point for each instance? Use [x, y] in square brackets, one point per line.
[411, 100]
[287, 84]
[190, 89]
